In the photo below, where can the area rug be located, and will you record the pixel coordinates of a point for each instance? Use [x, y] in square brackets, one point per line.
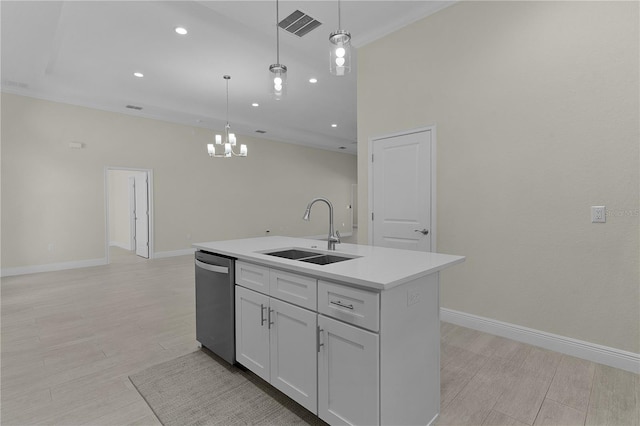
[201, 389]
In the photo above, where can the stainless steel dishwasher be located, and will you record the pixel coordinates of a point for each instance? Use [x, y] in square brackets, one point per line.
[215, 304]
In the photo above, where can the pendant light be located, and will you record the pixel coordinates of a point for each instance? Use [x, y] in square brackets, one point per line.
[229, 138]
[277, 71]
[340, 55]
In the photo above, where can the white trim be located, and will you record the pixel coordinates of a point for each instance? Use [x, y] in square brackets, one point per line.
[49, 267]
[433, 154]
[606, 355]
[375, 34]
[173, 253]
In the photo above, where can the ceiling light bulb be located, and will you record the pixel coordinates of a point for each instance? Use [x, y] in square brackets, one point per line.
[340, 52]
[181, 30]
[138, 74]
[340, 62]
[313, 80]
[334, 125]
[255, 104]
[218, 139]
[277, 81]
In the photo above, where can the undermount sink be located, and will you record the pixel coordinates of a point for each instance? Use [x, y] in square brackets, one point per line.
[325, 259]
[293, 254]
[309, 256]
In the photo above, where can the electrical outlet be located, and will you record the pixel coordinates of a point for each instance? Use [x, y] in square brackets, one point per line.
[598, 214]
[413, 296]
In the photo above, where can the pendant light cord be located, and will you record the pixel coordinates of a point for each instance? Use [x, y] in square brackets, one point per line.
[339, 22]
[227, 102]
[277, 34]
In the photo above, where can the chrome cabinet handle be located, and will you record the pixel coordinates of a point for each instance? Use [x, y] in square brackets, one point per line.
[422, 231]
[318, 343]
[342, 305]
[270, 322]
[262, 308]
[212, 268]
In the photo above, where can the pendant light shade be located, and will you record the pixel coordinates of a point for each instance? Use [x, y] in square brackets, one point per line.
[278, 80]
[277, 71]
[340, 53]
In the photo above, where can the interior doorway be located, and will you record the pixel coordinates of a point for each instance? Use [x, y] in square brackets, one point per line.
[402, 190]
[128, 201]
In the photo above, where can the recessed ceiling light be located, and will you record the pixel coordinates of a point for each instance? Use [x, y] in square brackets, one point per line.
[334, 125]
[138, 74]
[181, 30]
[313, 80]
[255, 104]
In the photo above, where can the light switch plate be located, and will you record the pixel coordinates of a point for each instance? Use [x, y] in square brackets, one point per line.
[598, 214]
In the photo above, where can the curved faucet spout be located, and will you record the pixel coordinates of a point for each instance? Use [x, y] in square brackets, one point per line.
[334, 236]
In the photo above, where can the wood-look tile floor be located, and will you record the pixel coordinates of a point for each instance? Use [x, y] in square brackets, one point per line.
[70, 339]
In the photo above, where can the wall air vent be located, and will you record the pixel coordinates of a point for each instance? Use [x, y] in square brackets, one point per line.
[299, 23]
[137, 108]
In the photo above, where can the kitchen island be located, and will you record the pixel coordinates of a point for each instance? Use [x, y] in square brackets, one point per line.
[356, 341]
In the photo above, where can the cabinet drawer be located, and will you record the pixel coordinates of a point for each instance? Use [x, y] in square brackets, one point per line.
[252, 276]
[352, 305]
[293, 288]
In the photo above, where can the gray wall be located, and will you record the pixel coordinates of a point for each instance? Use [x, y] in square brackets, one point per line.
[53, 197]
[536, 108]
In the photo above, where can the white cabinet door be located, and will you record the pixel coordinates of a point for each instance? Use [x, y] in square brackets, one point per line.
[293, 353]
[252, 331]
[348, 374]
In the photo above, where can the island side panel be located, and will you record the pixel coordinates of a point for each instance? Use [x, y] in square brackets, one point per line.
[410, 352]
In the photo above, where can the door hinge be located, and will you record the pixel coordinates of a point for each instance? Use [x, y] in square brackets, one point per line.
[371, 215]
[372, 158]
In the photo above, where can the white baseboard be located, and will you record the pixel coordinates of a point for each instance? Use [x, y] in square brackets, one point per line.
[612, 357]
[49, 267]
[172, 253]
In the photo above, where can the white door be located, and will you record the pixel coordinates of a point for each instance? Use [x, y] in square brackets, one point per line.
[252, 331]
[293, 353]
[142, 215]
[132, 212]
[401, 191]
[348, 374]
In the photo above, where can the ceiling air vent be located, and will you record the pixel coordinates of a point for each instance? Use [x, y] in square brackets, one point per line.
[261, 131]
[299, 23]
[138, 108]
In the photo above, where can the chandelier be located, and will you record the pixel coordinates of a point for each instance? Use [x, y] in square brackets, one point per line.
[229, 138]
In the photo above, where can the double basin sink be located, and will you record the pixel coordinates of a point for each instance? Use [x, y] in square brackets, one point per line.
[309, 256]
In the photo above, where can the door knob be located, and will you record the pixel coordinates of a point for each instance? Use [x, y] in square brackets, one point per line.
[423, 231]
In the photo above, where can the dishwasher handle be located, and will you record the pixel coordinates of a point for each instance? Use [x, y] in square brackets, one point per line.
[212, 268]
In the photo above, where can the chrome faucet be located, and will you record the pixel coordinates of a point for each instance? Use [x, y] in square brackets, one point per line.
[334, 236]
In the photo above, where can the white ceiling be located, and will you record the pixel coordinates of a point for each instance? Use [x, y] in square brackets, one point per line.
[85, 53]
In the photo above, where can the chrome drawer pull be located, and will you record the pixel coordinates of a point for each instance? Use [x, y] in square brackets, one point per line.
[262, 308]
[270, 323]
[318, 343]
[342, 305]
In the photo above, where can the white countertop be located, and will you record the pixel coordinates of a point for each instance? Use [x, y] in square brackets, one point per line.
[378, 268]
